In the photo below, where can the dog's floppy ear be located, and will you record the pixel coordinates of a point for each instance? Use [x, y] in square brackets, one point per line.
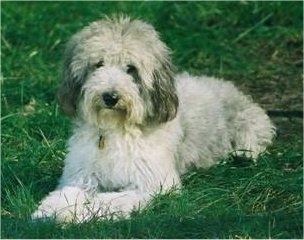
[164, 97]
[73, 77]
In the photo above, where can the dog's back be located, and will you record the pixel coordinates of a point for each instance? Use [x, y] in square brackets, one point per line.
[217, 119]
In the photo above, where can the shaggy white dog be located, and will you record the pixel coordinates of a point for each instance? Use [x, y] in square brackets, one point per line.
[138, 126]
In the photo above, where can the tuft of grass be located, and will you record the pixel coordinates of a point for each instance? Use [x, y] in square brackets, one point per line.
[258, 45]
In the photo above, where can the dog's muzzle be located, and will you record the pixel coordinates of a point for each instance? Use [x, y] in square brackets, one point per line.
[110, 99]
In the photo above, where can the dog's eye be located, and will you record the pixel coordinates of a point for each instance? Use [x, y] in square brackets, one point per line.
[131, 69]
[99, 64]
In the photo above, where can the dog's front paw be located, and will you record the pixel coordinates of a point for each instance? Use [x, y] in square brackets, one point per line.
[46, 212]
[62, 215]
[42, 214]
[64, 205]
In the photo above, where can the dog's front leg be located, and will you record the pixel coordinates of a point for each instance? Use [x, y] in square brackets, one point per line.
[73, 204]
[65, 204]
[113, 205]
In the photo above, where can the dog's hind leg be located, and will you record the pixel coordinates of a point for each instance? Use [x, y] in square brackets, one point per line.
[253, 131]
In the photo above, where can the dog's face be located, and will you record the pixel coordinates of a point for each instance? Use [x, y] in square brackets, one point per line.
[118, 70]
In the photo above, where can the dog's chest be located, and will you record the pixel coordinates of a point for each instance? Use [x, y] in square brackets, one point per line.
[116, 159]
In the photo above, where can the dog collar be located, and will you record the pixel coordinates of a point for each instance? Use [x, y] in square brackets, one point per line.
[101, 142]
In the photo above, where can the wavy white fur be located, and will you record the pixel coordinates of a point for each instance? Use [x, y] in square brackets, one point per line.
[148, 130]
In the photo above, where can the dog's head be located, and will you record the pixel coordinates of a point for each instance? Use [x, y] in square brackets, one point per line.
[118, 69]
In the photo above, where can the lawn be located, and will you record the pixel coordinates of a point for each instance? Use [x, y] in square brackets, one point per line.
[257, 45]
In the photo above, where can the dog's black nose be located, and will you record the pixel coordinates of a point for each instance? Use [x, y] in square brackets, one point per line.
[110, 98]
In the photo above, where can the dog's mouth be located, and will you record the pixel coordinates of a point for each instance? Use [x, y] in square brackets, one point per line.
[111, 102]
[111, 113]
[111, 106]
[114, 101]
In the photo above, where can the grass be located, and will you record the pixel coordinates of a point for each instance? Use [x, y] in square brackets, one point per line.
[258, 45]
